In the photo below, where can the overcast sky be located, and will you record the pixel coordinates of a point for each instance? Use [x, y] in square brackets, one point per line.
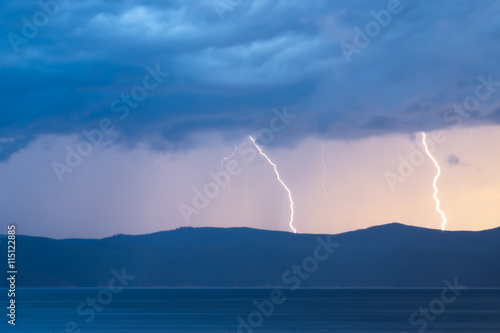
[164, 90]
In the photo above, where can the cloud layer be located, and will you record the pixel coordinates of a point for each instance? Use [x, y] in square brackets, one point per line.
[227, 72]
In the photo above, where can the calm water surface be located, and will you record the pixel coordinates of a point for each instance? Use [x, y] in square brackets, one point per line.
[217, 310]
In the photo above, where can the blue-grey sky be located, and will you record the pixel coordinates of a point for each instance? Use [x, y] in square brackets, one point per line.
[67, 66]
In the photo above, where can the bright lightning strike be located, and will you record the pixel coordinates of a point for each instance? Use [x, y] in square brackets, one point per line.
[281, 181]
[434, 184]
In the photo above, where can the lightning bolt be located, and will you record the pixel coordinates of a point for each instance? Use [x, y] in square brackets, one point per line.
[224, 159]
[156, 167]
[227, 158]
[434, 183]
[281, 181]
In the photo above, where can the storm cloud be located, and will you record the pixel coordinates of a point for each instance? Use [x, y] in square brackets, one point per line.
[226, 74]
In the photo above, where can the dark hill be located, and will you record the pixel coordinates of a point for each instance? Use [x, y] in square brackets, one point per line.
[392, 255]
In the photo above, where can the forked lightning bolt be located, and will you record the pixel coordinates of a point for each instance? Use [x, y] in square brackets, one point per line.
[281, 181]
[434, 184]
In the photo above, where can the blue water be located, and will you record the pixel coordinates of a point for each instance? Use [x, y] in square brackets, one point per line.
[217, 310]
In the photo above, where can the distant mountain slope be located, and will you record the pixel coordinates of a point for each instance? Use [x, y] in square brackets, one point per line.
[392, 255]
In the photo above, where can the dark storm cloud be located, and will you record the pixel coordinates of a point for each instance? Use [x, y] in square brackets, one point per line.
[227, 75]
[9, 147]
